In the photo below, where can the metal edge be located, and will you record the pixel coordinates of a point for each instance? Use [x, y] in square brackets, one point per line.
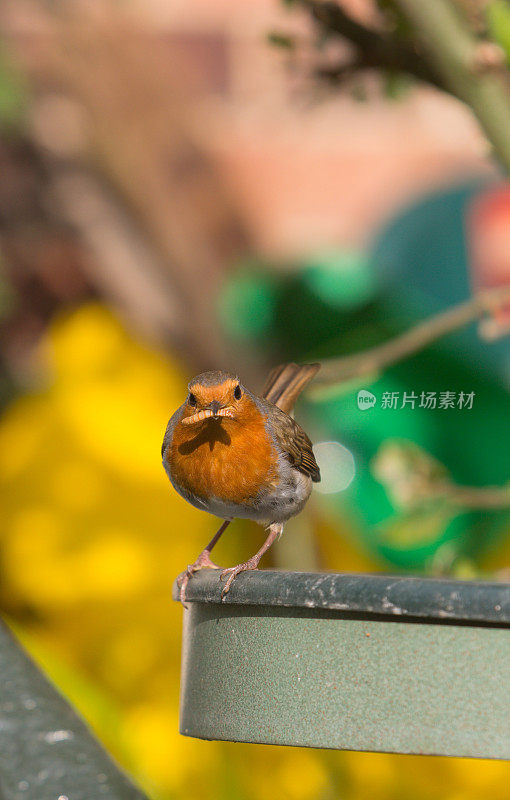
[373, 594]
[46, 749]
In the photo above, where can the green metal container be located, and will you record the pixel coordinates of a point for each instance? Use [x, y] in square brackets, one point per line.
[355, 662]
[46, 750]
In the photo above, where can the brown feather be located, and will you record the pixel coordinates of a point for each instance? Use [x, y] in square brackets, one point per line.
[285, 383]
[295, 444]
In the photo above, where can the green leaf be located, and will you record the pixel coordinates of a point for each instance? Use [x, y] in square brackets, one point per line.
[419, 527]
[397, 85]
[498, 22]
[408, 473]
[281, 40]
[13, 93]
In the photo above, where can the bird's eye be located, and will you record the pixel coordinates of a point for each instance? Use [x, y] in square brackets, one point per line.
[192, 400]
[237, 392]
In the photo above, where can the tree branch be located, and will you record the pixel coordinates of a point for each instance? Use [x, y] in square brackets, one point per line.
[338, 370]
[473, 497]
[443, 50]
[455, 52]
[376, 49]
[413, 478]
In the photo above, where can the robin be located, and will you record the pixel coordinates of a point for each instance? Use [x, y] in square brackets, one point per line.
[234, 454]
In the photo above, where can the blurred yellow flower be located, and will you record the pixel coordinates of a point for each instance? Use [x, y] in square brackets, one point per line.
[372, 775]
[178, 763]
[113, 394]
[299, 775]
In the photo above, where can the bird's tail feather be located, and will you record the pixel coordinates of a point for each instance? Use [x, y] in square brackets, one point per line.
[285, 383]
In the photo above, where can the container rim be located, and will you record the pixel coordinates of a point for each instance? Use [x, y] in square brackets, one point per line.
[393, 596]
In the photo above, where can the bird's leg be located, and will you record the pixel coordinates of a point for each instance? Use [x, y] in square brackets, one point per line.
[275, 531]
[202, 561]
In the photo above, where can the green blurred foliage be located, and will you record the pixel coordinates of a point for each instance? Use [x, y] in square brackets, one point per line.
[281, 40]
[498, 22]
[14, 93]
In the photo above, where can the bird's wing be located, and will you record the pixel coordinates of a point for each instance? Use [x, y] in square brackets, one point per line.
[293, 442]
[285, 383]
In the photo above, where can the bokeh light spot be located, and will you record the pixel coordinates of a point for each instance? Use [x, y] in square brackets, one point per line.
[337, 467]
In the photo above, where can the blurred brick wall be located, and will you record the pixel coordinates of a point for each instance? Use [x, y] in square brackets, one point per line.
[304, 171]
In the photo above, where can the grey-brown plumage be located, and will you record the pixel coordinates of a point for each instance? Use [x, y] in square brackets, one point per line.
[290, 439]
[298, 448]
[283, 386]
[285, 383]
[212, 378]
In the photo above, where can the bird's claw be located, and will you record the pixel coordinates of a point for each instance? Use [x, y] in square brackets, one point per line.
[233, 572]
[183, 579]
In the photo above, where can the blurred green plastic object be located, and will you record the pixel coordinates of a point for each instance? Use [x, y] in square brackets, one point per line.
[472, 444]
[276, 304]
[344, 280]
[248, 303]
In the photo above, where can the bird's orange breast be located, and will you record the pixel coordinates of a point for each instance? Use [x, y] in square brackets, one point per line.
[230, 459]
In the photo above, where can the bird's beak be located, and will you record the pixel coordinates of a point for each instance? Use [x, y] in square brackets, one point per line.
[215, 407]
[214, 410]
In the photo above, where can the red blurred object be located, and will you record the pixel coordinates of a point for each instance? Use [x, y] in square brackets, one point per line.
[488, 237]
